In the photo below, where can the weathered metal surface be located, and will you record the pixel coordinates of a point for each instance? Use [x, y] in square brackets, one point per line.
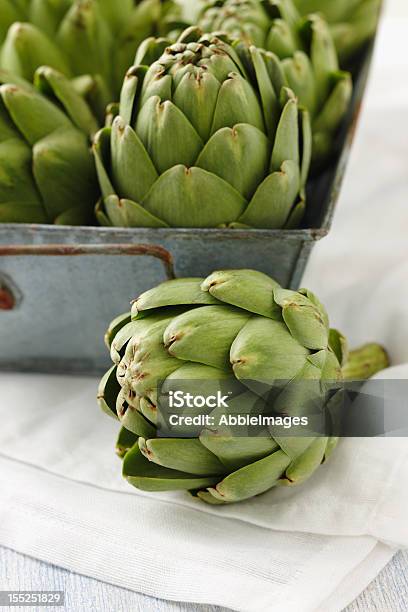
[60, 286]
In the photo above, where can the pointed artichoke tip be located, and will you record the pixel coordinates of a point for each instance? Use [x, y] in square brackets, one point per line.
[48, 71]
[9, 88]
[120, 125]
[168, 344]
[18, 28]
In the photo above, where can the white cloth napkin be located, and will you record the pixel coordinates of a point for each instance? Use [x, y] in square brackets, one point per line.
[313, 548]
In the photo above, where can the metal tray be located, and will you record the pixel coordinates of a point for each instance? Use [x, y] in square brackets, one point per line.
[61, 286]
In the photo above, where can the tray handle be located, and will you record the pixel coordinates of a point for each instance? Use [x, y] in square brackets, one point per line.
[8, 299]
[70, 250]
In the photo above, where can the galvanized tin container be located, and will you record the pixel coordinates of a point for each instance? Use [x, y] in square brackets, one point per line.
[61, 286]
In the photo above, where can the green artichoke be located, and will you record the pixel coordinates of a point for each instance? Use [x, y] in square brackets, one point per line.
[77, 37]
[237, 324]
[308, 56]
[47, 171]
[197, 144]
[353, 22]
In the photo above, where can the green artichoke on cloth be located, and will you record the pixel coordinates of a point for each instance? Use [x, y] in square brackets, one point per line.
[79, 37]
[47, 173]
[197, 144]
[236, 324]
[308, 55]
[353, 23]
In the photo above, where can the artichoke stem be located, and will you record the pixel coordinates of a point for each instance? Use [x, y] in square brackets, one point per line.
[365, 361]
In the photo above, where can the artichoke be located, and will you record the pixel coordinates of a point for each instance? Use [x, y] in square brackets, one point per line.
[308, 56]
[237, 324]
[77, 37]
[353, 22]
[47, 171]
[197, 143]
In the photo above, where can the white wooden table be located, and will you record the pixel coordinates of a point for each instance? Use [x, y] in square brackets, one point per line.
[387, 593]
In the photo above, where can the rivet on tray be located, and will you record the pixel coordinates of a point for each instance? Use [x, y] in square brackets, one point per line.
[10, 295]
[7, 301]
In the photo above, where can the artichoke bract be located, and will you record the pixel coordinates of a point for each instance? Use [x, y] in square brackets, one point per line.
[352, 22]
[47, 170]
[79, 37]
[308, 55]
[197, 144]
[235, 324]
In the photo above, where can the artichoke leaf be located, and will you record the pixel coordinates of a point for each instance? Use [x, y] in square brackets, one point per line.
[296, 215]
[177, 292]
[131, 418]
[126, 213]
[208, 498]
[238, 155]
[47, 14]
[269, 97]
[87, 40]
[252, 479]
[205, 334]
[304, 319]
[101, 150]
[26, 47]
[150, 50]
[202, 199]
[54, 84]
[196, 96]
[183, 454]
[167, 134]
[10, 12]
[125, 440]
[101, 215]
[300, 78]
[57, 159]
[339, 345]
[34, 115]
[273, 201]
[131, 84]
[250, 290]
[20, 199]
[114, 328]
[149, 476]
[281, 38]
[286, 145]
[315, 300]
[237, 103]
[133, 172]
[323, 56]
[333, 112]
[304, 465]
[259, 353]
[108, 391]
[156, 84]
[122, 336]
[307, 144]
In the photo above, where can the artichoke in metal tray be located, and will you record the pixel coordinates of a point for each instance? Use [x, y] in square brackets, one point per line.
[235, 324]
[352, 22]
[78, 37]
[308, 55]
[47, 171]
[199, 143]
